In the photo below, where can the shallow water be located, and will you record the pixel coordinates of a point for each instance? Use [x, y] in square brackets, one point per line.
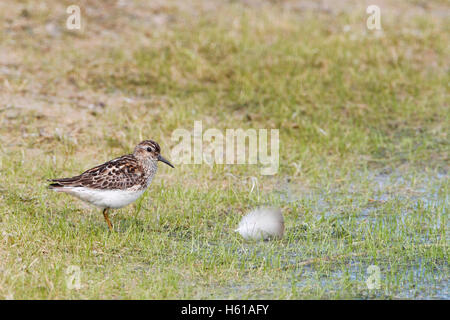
[396, 201]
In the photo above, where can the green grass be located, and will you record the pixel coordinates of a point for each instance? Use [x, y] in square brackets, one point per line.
[362, 115]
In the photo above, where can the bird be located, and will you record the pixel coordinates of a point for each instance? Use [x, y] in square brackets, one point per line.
[115, 183]
[262, 223]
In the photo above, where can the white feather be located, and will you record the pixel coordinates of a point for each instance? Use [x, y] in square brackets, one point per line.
[262, 224]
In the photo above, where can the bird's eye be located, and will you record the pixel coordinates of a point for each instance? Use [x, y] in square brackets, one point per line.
[149, 149]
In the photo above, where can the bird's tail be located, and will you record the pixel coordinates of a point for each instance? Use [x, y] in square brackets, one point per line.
[59, 184]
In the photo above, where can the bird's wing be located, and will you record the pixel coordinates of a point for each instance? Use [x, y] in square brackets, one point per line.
[120, 173]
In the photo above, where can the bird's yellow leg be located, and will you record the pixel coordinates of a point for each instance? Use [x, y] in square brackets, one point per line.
[105, 214]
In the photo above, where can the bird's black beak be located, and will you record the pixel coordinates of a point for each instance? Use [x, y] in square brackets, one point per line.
[162, 159]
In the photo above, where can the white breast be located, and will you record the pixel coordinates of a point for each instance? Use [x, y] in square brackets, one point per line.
[104, 198]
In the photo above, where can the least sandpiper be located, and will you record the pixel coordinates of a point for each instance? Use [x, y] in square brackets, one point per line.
[116, 183]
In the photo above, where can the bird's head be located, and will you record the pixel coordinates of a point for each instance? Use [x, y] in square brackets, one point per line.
[150, 150]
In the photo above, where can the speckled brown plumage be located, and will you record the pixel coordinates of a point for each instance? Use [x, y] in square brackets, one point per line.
[120, 173]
